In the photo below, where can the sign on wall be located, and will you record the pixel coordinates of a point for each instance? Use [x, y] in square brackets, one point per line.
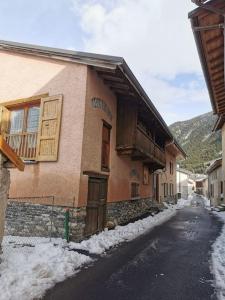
[99, 103]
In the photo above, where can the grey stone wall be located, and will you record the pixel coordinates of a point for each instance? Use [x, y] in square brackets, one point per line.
[26, 219]
[124, 211]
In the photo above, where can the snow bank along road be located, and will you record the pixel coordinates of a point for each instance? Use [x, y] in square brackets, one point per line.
[31, 266]
[171, 262]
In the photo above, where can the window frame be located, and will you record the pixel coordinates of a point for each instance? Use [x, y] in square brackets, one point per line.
[105, 167]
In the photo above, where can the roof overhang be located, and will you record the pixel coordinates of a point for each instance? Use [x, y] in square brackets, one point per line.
[207, 26]
[215, 165]
[112, 69]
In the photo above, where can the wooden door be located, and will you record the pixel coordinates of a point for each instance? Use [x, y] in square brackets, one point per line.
[96, 205]
[156, 187]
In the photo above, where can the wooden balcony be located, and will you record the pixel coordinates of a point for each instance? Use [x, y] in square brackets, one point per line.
[23, 144]
[145, 149]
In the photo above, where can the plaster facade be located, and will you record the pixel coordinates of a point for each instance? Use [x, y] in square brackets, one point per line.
[65, 182]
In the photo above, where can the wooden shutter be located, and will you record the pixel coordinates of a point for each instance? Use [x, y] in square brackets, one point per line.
[49, 128]
[4, 120]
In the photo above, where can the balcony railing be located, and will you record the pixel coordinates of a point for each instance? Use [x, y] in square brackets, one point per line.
[146, 145]
[24, 144]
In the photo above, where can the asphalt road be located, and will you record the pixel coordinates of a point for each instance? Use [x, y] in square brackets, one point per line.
[171, 262]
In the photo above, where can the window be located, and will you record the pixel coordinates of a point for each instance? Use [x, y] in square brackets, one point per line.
[212, 190]
[20, 122]
[221, 187]
[171, 168]
[105, 146]
[164, 187]
[23, 130]
[134, 190]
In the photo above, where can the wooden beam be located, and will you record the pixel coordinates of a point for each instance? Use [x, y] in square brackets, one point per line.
[218, 86]
[110, 77]
[213, 39]
[218, 77]
[117, 85]
[217, 72]
[221, 93]
[122, 92]
[10, 154]
[220, 47]
[218, 58]
[105, 70]
[217, 66]
[220, 89]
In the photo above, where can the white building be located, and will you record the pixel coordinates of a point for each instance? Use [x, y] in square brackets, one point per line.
[185, 184]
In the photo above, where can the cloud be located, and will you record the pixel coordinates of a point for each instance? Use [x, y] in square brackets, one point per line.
[156, 40]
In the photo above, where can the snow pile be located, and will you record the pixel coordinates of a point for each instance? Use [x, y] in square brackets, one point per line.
[218, 260]
[184, 202]
[28, 271]
[206, 202]
[98, 244]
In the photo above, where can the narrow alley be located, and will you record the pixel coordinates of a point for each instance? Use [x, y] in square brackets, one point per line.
[170, 262]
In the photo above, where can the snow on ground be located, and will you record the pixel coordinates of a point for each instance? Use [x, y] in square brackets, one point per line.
[218, 260]
[101, 242]
[184, 202]
[28, 270]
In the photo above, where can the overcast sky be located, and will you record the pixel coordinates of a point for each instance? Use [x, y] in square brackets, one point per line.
[154, 37]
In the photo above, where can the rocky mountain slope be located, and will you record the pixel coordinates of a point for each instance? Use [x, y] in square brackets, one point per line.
[198, 140]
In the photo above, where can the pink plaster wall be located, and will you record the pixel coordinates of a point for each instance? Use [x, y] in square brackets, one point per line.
[24, 76]
[166, 177]
[119, 184]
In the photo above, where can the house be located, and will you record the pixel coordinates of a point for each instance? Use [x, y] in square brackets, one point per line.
[215, 182]
[90, 137]
[208, 27]
[201, 186]
[185, 184]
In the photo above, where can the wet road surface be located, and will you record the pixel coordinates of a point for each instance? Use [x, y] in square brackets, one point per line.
[171, 262]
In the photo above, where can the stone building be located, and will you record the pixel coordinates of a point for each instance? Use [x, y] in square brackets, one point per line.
[90, 137]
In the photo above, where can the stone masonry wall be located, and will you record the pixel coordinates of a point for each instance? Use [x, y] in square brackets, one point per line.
[125, 211]
[26, 219]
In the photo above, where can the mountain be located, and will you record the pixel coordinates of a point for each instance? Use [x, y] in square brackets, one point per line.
[199, 142]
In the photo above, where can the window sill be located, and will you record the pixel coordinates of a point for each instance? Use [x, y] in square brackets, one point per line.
[30, 162]
[105, 169]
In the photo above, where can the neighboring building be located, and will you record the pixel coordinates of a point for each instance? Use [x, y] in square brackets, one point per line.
[185, 185]
[210, 44]
[201, 186]
[215, 182]
[91, 139]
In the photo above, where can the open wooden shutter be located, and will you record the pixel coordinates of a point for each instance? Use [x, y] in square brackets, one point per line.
[4, 120]
[49, 127]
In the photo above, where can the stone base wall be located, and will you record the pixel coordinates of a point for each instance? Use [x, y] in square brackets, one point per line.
[26, 219]
[123, 212]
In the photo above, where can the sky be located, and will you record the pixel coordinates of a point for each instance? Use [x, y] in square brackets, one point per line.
[153, 36]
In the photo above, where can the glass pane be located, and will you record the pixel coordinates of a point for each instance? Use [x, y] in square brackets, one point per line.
[33, 119]
[16, 121]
